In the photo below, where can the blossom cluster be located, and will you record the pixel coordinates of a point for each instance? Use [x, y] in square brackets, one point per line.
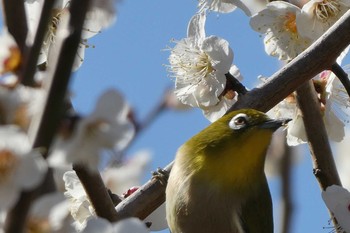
[201, 64]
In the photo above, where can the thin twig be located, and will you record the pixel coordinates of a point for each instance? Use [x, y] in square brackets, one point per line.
[152, 116]
[30, 61]
[342, 76]
[149, 119]
[233, 84]
[321, 154]
[97, 192]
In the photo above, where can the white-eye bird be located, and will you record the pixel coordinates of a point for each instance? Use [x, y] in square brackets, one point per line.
[217, 183]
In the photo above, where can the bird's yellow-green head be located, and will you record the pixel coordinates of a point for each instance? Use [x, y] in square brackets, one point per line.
[231, 151]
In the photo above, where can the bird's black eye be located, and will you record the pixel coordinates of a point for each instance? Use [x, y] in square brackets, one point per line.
[239, 121]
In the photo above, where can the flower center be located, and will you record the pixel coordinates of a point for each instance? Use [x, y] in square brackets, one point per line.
[8, 162]
[36, 225]
[327, 9]
[55, 21]
[94, 127]
[189, 64]
[12, 62]
[290, 23]
[203, 65]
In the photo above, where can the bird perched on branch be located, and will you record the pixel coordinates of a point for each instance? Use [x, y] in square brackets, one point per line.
[217, 183]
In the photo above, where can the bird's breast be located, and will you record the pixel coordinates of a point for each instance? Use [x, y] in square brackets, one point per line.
[193, 206]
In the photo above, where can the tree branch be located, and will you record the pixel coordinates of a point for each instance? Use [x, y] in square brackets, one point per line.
[321, 153]
[15, 18]
[97, 192]
[30, 61]
[322, 158]
[48, 122]
[145, 200]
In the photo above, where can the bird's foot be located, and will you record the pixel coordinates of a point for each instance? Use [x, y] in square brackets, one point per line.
[162, 175]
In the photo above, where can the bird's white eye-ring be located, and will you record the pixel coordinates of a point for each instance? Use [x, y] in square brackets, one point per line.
[239, 121]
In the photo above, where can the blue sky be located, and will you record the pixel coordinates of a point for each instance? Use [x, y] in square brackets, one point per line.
[130, 56]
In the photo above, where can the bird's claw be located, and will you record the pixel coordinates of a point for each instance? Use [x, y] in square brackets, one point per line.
[162, 175]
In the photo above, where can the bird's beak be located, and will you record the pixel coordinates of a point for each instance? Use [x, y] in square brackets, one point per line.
[274, 124]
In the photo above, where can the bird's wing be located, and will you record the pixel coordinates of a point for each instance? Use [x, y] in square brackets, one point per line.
[256, 213]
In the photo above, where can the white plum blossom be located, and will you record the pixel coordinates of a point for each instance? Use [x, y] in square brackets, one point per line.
[199, 64]
[100, 15]
[10, 55]
[278, 22]
[288, 108]
[19, 104]
[128, 225]
[20, 167]
[222, 6]
[334, 105]
[249, 7]
[318, 15]
[127, 174]
[80, 206]
[336, 108]
[213, 113]
[342, 159]
[50, 213]
[337, 200]
[107, 127]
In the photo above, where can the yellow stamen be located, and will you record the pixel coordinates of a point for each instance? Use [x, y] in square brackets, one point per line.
[290, 23]
[8, 162]
[327, 9]
[36, 225]
[12, 63]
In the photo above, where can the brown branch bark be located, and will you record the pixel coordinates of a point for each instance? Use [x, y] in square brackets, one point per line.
[50, 118]
[323, 163]
[30, 61]
[145, 200]
[15, 19]
[318, 57]
[97, 192]
[321, 153]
